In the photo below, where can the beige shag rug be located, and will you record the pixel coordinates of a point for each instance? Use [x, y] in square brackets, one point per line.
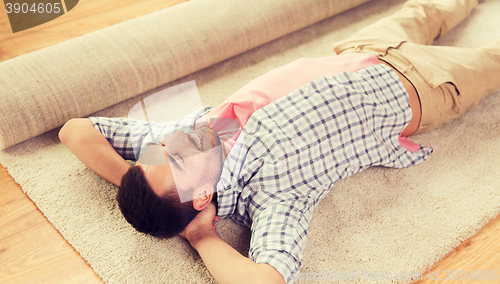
[381, 220]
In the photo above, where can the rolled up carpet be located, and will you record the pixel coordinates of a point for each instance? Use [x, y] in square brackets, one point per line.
[41, 90]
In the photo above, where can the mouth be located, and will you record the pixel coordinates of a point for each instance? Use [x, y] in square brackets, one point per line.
[196, 139]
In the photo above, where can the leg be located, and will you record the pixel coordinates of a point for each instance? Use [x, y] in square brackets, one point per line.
[449, 80]
[473, 74]
[423, 21]
[419, 21]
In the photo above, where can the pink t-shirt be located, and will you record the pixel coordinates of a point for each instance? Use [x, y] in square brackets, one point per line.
[280, 82]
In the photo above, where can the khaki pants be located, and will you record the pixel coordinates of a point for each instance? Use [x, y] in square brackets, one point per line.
[449, 80]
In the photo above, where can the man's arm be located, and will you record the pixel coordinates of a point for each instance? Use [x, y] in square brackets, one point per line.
[88, 145]
[224, 263]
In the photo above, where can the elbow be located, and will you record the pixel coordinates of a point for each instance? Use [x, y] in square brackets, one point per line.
[74, 130]
[67, 131]
[64, 132]
[268, 274]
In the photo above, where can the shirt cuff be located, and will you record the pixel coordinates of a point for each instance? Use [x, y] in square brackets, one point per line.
[281, 261]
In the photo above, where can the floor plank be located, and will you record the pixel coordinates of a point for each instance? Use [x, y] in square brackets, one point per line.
[31, 249]
[86, 17]
[479, 254]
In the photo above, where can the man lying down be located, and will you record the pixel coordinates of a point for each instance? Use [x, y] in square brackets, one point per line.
[267, 155]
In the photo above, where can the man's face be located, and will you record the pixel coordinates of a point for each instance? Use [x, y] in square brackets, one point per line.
[193, 163]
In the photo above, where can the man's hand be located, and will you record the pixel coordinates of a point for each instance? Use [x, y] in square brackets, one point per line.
[224, 262]
[88, 145]
[201, 226]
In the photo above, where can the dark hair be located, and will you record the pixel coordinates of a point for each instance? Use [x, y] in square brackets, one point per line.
[159, 216]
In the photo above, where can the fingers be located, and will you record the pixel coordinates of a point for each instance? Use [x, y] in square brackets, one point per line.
[216, 218]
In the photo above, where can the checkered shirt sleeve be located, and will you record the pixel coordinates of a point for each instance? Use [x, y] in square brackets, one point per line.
[279, 235]
[292, 152]
[129, 136]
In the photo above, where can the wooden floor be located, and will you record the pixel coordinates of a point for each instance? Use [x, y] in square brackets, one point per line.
[33, 251]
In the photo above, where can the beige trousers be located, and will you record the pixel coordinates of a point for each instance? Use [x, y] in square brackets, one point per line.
[449, 80]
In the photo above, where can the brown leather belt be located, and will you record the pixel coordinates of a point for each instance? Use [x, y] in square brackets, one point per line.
[414, 103]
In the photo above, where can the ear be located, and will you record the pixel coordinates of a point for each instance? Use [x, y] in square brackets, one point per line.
[203, 200]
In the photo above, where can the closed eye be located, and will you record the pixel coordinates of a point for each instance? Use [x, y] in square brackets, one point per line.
[174, 161]
[170, 157]
[154, 143]
[179, 158]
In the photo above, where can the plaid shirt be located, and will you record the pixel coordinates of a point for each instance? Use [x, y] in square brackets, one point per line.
[291, 153]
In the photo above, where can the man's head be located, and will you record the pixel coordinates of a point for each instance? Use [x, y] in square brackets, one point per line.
[151, 195]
